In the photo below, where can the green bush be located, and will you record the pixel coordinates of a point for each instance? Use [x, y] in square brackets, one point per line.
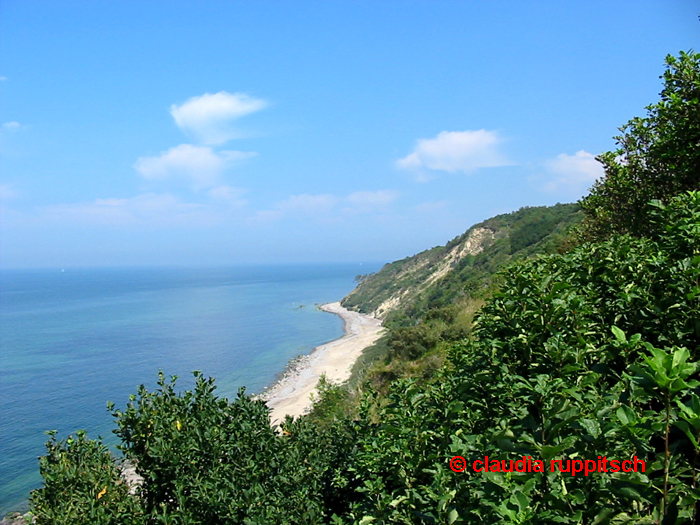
[207, 460]
[204, 460]
[590, 353]
[657, 156]
[82, 485]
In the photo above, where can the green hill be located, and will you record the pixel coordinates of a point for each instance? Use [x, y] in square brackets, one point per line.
[464, 267]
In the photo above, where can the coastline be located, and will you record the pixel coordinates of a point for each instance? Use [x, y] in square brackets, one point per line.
[235, 327]
[291, 394]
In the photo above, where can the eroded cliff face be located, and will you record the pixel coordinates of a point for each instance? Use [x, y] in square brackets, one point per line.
[474, 244]
[431, 273]
[394, 286]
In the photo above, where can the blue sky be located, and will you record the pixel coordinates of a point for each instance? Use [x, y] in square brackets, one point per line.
[214, 133]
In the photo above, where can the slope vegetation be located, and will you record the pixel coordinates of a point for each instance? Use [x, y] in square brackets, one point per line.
[463, 267]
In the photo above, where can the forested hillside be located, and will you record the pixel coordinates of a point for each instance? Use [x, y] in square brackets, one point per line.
[582, 363]
[428, 301]
[465, 266]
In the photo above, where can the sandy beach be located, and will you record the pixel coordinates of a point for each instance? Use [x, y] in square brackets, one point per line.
[292, 394]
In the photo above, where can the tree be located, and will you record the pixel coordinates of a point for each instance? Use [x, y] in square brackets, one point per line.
[658, 157]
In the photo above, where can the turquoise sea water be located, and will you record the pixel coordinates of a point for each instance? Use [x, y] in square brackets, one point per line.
[72, 340]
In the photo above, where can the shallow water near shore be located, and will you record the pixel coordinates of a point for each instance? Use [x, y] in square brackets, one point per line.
[72, 340]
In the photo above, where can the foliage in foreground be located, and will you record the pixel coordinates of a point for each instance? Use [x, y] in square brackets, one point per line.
[592, 353]
[658, 156]
[586, 354]
[203, 460]
[82, 485]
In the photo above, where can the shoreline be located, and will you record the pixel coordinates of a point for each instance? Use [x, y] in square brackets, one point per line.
[291, 393]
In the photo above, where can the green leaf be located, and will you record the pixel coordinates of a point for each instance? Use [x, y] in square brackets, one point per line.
[592, 427]
[522, 501]
[619, 334]
[626, 415]
[395, 503]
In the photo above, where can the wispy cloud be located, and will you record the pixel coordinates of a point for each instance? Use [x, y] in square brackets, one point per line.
[11, 126]
[200, 166]
[148, 209]
[369, 201]
[3, 79]
[570, 175]
[299, 205]
[455, 152]
[326, 206]
[209, 118]
[372, 198]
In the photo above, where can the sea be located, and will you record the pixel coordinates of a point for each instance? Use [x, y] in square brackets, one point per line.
[72, 339]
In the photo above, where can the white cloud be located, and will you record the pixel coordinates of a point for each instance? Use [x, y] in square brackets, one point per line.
[220, 205]
[327, 206]
[369, 201]
[148, 209]
[572, 174]
[456, 152]
[3, 79]
[208, 118]
[304, 205]
[199, 165]
[372, 198]
[11, 126]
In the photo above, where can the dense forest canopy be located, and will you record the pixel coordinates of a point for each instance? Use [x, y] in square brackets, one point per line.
[581, 350]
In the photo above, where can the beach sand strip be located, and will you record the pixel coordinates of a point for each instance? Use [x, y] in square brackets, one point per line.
[292, 394]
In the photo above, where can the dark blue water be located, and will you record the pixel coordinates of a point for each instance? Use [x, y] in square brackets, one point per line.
[72, 340]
